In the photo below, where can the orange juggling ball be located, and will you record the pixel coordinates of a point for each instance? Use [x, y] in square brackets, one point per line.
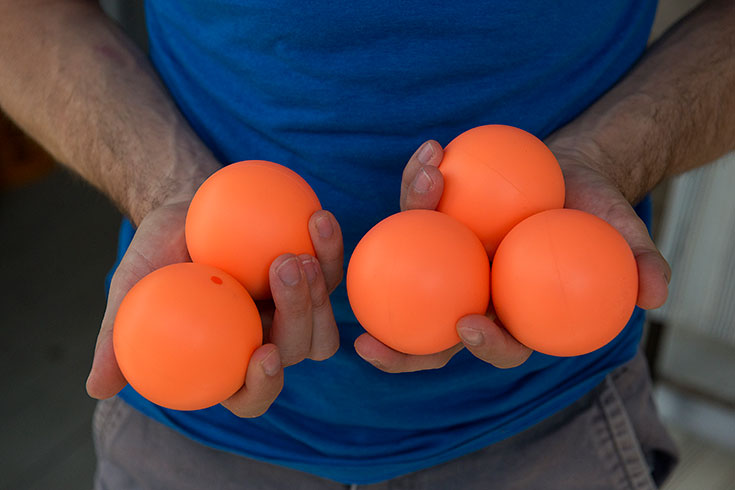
[184, 334]
[564, 282]
[413, 276]
[247, 214]
[494, 177]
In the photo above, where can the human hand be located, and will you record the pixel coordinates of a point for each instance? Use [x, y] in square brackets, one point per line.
[483, 335]
[591, 187]
[298, 322]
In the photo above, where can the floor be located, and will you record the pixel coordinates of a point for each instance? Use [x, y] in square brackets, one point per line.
[58, 240]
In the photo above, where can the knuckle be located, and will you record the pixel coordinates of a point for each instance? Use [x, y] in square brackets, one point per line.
[293, 356]
[508, 362]
[408, 171]
[319, 299]
[621, 215]
[325, 352]
[253, 411]
[320, 356]
[392, 368]
[441, 363]
[337, 278]
[298, 309]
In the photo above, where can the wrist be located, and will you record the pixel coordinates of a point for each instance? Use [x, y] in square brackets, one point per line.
[623, 143]
[176, 185]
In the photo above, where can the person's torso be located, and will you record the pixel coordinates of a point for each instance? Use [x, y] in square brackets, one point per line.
[343, 93]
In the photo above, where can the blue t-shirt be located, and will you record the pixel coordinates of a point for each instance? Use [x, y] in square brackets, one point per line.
[343, 93]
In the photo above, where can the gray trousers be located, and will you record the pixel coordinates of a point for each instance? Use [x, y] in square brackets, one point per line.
[611, 439]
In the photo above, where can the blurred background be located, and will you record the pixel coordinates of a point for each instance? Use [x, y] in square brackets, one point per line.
[57, 243]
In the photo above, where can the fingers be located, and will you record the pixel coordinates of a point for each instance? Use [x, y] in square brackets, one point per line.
[490, 342]
[426, 189]
[291, 329]
[303, 324]
[480, 335]
[324, 333]
[326, 236]
[263, 383]
[392, 361]
[422, 183]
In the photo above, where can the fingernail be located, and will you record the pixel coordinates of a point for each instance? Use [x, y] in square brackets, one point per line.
[309, 269]
[271, 364]
[471, 336]
[288, 272]
[423, 183]
[425, 153]
[324, 227]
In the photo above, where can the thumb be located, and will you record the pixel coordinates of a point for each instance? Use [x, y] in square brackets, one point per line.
[105, 378]
[654, 272]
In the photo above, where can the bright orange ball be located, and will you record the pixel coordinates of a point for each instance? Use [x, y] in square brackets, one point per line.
[184, 334]
[564, 282]
[495, 176]
[413, 276]
[247, 214]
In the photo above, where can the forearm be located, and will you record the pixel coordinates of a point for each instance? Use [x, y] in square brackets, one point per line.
[76, 84]
[674, 111]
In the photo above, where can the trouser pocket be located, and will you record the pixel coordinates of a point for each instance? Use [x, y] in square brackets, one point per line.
[634, 422]
[106, 421]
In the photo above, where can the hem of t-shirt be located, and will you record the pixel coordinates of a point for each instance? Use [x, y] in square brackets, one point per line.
[370, 472]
